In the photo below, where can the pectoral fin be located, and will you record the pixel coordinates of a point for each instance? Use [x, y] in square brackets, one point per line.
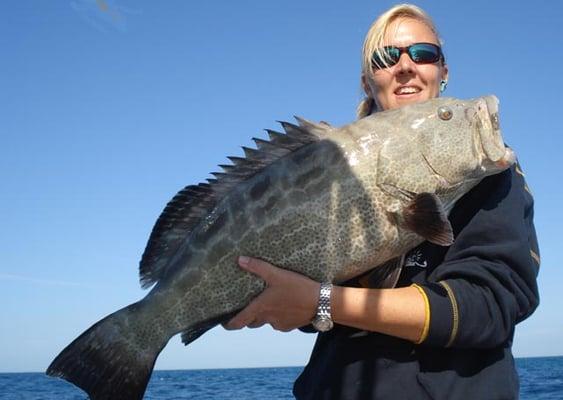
[425, 216]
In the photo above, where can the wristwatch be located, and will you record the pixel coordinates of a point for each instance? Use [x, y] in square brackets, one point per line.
[323, 320]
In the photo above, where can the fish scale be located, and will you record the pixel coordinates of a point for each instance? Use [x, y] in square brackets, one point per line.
[329, 203]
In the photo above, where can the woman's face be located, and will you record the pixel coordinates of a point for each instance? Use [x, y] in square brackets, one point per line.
[405, 82]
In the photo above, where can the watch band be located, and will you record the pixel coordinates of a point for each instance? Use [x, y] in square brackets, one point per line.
[323, 319]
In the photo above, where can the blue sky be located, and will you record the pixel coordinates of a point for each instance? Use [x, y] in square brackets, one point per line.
[108, 108]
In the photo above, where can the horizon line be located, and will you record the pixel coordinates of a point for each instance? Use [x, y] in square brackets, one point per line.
[229, 368]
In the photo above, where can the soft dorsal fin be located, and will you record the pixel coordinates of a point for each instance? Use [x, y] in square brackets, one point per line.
[177, 220]
[186, 209]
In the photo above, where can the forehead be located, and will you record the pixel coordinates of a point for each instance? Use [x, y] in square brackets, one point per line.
[406, 31]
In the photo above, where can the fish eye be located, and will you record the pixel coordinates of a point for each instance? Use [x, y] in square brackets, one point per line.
[445, 113]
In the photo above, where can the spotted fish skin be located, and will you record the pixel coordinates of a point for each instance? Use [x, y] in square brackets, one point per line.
[329, 203]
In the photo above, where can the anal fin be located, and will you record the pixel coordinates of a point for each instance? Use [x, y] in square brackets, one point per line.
[194, 332]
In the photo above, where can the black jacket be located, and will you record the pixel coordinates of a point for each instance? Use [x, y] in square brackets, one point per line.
[476, 291]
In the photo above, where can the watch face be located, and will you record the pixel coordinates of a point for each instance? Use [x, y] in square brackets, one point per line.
[323, 325]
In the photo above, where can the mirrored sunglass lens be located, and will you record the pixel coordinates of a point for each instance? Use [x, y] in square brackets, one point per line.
[376, 61]
[424, 53]
[385, 57]
[393, 54]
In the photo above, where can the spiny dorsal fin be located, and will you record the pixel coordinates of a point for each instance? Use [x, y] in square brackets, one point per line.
[186, 209]
[282, 140]
[322, 129]
[271, 148]
[298, 133]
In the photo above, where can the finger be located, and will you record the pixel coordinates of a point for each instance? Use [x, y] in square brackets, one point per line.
[256, 324]
[258, 267]
[278, 326]
[243, 318]
[237, 322]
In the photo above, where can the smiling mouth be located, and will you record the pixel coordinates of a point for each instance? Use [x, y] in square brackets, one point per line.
[407, 90]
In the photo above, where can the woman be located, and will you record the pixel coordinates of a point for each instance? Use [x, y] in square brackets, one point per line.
[445, 331]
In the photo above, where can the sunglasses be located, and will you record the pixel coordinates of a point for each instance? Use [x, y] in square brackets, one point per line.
[420, 53]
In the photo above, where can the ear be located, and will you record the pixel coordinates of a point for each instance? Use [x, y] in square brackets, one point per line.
[445, 73]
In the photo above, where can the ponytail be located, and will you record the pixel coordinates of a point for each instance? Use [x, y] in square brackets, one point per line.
[366, 107]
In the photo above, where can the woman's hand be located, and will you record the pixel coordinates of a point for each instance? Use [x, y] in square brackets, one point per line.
[288, 302]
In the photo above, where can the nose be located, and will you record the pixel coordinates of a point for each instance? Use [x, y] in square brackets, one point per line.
[405, 64]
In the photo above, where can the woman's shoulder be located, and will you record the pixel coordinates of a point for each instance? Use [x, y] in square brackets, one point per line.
[504, 191]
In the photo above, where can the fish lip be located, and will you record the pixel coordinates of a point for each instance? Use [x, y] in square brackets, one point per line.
[485, 108]
[492, 102]
[487, 121]
[507, 159]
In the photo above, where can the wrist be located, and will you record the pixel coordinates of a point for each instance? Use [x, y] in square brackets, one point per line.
[313, 303]
[322, 321]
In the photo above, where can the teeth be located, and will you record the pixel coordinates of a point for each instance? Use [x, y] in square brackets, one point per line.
[408, 90]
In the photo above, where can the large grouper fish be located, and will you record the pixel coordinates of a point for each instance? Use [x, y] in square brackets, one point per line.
[330, 203]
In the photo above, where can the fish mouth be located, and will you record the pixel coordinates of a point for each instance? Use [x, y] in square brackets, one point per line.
[506, 160]
[491, 145]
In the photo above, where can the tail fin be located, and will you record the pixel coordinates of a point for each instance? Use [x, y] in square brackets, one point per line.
[111, 360]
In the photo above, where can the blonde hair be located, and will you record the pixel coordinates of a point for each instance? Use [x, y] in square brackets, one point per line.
[374, 41]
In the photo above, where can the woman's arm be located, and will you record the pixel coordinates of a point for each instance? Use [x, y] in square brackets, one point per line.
[486, 283]
[399, 312]
[290, 301]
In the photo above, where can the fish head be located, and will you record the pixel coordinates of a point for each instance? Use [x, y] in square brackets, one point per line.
[444, 146]
[461, 139]
[437, 152]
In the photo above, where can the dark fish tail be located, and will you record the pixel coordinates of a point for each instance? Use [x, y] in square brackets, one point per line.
[113, 359]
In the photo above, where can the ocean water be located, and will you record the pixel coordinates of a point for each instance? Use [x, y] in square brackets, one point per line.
[541, 378]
